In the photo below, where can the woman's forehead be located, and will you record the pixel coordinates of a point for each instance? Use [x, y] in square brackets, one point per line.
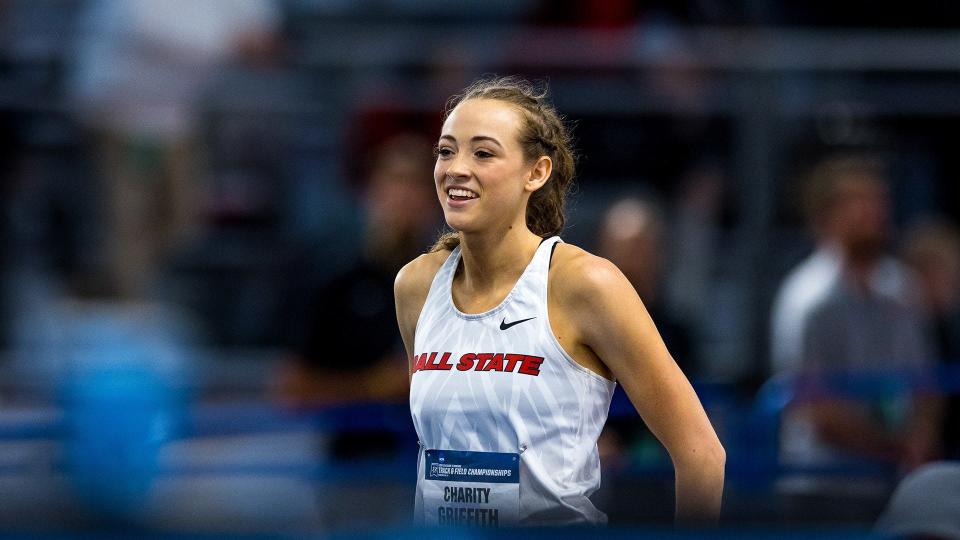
[486, 117]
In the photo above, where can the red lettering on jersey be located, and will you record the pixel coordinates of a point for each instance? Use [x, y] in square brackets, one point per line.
[512, 363]
[496, 364]
[419, 362]
[531, 365]
[482, 360]
[512, 360]
[466, 362]
[444, 363]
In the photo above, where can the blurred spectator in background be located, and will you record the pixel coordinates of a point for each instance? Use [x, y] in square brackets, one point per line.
[351, 350]
[864, 319]
[809, 281]
[932, 249]
[632, 237]
[697, 209]
[141, 69]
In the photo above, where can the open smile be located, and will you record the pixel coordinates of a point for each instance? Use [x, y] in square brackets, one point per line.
[461, 194]
[458, 197]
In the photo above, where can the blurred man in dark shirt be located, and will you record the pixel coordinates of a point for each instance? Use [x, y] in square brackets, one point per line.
[351, 350]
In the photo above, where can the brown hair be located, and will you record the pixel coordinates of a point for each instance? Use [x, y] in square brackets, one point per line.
[542, 133]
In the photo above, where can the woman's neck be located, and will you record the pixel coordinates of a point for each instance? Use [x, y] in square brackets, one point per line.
[496, 258]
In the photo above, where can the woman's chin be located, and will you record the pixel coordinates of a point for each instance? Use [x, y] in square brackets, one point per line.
[459, 224]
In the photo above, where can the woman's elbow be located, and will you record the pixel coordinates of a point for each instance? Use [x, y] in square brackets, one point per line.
[705, 456]
[718, 455]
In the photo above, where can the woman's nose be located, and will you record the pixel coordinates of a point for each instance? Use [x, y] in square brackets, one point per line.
[458, 167]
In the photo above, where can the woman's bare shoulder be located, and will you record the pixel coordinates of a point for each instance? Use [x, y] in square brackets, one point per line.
[578, 273]
[414, 279]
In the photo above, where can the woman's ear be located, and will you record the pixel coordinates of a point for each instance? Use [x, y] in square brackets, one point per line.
[539, 174]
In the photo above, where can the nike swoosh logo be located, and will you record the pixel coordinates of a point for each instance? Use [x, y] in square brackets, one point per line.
[504, 324]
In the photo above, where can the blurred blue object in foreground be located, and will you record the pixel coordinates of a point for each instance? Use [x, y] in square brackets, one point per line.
[123, 399]
[117, 420]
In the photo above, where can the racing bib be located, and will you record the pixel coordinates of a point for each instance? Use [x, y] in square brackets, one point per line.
[478, 489]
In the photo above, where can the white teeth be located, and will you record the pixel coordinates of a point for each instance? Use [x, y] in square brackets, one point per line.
[457, 192]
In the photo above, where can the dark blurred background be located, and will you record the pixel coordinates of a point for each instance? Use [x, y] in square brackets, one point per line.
[204, 204]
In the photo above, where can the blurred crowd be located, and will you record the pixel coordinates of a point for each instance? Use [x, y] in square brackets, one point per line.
[189, 179]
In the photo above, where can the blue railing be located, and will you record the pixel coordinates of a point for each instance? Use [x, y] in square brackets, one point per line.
[750, 431]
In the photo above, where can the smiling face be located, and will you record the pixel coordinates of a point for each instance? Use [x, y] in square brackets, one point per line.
[482, 176]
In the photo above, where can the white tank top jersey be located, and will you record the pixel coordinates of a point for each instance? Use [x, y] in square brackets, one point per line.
[507, 421]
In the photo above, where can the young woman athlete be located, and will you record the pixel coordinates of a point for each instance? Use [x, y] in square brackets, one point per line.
[516, 338]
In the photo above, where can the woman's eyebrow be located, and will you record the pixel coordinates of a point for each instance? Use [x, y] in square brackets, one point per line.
[485, 138]
[473, 139]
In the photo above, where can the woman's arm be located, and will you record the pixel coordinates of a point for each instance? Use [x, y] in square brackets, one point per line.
[610, 320]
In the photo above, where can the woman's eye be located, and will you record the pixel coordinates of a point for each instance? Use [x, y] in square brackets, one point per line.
[482, 154]
[444, 152]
